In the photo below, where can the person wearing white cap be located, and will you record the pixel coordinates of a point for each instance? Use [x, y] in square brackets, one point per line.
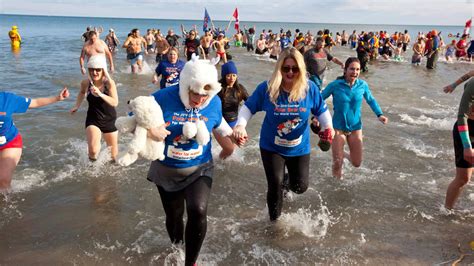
[101, 93]
[184, 178]
[112, 41]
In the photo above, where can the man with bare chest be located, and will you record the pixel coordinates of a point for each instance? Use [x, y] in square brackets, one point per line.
[92, 47]
[134, 44]
[206, 41]
[161, 48]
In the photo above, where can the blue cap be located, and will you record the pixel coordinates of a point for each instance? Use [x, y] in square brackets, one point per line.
[228, 68]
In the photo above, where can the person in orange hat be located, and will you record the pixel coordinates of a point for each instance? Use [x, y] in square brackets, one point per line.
[432, 54]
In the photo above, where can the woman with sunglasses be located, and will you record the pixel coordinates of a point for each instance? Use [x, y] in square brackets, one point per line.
[288, 99]
[101, 94]
[347, 92]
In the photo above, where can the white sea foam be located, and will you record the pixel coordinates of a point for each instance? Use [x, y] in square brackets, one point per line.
[440, 124]
[268, 256]
[420, 149]
[313, 224]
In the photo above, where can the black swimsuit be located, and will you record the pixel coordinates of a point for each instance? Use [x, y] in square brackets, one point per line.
[100, 113]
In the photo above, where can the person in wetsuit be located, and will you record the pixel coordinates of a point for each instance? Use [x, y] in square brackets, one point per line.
[462, 134]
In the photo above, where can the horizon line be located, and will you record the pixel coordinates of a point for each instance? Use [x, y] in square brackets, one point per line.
[295, 22]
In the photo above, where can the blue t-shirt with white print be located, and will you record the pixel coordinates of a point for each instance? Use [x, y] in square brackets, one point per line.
[285, 128]
[179, 151]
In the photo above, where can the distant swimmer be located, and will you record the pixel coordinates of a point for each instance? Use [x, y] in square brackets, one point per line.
[92, 47]
[15, 37]
[134, 44]
[112, 41]
[11, 143]
[462, 134]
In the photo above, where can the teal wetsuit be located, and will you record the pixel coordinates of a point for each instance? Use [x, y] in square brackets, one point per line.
[347, 103]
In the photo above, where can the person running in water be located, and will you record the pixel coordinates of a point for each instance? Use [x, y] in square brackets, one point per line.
[288, 100]
[134, 44]
[101, 94]
[95, 46]
[462, 134]
[112, 41]
[347, 92]
[11, 142]
[184, 178]
[316, 62]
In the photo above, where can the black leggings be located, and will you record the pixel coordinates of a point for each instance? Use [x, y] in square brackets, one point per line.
[274, 165]
[196, 196]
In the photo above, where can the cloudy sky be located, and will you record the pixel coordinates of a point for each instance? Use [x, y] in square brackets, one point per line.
[411, 12]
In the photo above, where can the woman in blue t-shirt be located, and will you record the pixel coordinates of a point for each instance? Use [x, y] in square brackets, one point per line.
[288, 100]
[191, 111]
[11, 144]
[169, 69]
[347, 92]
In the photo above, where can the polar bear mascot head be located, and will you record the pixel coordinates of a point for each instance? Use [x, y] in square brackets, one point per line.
[199, 76]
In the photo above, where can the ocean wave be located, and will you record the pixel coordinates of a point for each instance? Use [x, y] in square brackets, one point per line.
[440, 124]
[420, 149]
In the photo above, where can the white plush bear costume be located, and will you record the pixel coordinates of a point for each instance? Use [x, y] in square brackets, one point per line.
[199, 76]
[147, 114]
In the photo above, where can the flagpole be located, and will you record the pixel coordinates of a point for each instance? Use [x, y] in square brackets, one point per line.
[230, 21]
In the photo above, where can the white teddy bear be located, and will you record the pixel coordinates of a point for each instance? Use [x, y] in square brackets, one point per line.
[147, 114]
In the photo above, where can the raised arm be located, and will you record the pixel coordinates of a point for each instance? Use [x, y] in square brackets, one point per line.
[39, 102]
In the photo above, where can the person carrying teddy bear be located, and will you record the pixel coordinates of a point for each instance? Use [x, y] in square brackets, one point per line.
[191, 112]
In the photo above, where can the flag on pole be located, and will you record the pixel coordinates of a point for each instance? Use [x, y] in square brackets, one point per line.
[468, 26]
[236, 16]
[207, 19]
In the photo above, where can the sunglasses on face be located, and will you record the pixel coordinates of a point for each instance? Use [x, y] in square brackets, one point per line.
[96, 69]
[293, 69]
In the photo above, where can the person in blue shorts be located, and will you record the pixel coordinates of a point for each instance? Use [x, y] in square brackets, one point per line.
[184, 177]
[288, 99]
[347, 92]
[11, 142]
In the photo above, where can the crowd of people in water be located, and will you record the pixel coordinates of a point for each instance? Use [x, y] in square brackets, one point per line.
[293, 99]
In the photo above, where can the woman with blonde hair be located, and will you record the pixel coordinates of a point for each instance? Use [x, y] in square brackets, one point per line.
[289, 99]
[101, 94]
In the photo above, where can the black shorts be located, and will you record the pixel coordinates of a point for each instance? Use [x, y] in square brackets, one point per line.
[459, 148]
[104, 126]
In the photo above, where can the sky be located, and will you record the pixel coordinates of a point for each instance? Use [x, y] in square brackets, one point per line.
[402, 12]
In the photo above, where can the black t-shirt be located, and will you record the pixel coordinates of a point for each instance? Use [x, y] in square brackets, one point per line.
[192, 45]
[231, 102]
[172, 40]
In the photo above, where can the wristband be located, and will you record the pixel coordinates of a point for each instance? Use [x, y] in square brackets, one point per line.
[454, 85]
